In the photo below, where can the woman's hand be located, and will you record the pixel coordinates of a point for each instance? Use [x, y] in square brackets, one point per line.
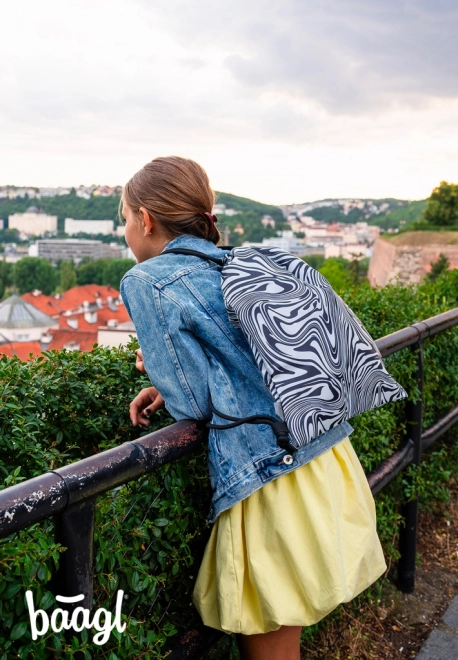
[144, 405]
[139, 361]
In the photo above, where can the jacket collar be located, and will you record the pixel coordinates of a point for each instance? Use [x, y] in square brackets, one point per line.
[194, 243]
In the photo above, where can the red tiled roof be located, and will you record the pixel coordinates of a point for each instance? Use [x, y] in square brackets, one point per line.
[22, 349]
[88, 292]
[71, 299]
[6, 349]
[61, 338]
[46, 304]
[104, 315]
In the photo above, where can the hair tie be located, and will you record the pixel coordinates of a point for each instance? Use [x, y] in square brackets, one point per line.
[211, 219]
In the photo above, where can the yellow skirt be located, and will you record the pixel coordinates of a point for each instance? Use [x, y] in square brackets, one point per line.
[293, 550]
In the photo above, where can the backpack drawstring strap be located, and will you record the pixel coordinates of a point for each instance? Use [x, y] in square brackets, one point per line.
[278, 427]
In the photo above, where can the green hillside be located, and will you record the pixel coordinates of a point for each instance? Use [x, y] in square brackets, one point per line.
[399, 213]
[65, 206]
[401, 217]
[246, 205]
[248, 217]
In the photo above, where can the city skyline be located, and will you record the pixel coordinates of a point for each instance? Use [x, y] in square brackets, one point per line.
[283, 102]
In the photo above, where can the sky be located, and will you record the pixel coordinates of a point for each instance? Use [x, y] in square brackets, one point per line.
[283, 101]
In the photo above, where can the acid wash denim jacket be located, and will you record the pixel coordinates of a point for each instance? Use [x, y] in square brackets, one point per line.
[190, 351]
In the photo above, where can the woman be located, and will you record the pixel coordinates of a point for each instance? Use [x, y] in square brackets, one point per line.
[291, 539]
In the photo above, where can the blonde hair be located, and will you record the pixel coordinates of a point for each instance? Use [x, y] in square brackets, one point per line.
[177, 193]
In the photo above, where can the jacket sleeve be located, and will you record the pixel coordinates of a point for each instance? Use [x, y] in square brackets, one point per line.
[174, 360]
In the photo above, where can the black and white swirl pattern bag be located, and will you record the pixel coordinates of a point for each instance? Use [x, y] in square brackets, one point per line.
[315, 355]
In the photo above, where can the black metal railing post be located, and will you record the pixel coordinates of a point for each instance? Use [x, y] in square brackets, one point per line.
[74, 529]
[409, 509]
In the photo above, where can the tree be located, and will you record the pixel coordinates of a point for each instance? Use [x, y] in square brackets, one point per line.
[3, 277]
[67, 275]
[9, 236]
[115, 269]
[316, 261]
[35, 273]
[90, 272]
[103, 271]
[438, 267]
[442, 206]
[335, 270]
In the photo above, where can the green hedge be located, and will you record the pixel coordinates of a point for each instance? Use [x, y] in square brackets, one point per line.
[150, 534]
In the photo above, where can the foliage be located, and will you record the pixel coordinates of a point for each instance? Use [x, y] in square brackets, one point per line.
[9, 236]
[150, 534]
[316, 261]
[335, 270]
[340, 273]
[6, 276]
[253, 230]
[35, 273]
[442, 206]
[246, 205]
[5, 269]
[335, 213]
[401, 217]
[65, 407]
[103, 271]
[438, 267]
[67, 275]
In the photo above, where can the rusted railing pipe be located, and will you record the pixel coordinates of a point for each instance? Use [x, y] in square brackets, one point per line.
[400, 339]
[51, 493]
[391, 467]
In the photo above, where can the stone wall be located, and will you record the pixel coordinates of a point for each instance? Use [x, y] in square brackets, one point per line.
[406, 258]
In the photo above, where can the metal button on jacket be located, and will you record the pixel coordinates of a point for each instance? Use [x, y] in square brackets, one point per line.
[288, 459]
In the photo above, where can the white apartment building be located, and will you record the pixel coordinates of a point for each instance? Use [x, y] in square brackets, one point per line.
[115, 334]
[73, 227]
[33, 222]
[287, 241]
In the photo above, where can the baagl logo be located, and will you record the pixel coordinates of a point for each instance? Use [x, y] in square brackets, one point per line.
[80, 618]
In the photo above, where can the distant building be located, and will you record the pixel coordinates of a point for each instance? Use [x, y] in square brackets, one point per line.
[73, 227]
[115, 334]
[349, 251]
[268, 221]
[286, 241]
[220, 209]
[21, 321]
[76, 249]
[33, 222]
[85, 315]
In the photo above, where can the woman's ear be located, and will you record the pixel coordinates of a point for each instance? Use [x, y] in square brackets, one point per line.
[148, 221]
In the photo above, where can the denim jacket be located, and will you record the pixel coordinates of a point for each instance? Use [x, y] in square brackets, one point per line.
[191, 351]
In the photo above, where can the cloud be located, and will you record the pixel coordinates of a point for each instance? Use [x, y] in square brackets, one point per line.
[261, 87]
[352, 56]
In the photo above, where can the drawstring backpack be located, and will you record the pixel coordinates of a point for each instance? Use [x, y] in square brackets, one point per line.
[317, 359]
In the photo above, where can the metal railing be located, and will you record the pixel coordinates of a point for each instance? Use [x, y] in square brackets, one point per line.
[69, 493]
